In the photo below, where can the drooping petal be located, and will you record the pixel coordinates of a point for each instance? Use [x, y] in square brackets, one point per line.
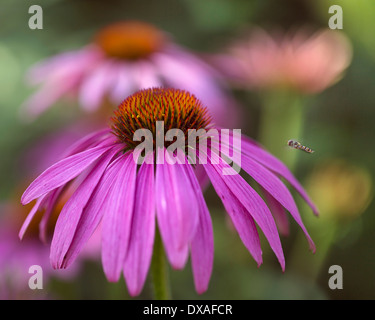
[61, 172]
[242, 220]
[117, 218]
[92, 213]
[278, 213]
[274, 186]
[141, 243]
[202, 244]
[266, 159]
[252, 202]
[177, 210]
[53, 198]
[30, 216]
[47, 203]
[69, 218]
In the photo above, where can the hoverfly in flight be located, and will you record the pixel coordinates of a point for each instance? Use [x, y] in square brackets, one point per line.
[296, 145]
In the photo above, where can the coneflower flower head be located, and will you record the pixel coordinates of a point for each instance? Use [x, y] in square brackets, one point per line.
[122, 58]
[302, 61]
[177, 109]
[127, 198]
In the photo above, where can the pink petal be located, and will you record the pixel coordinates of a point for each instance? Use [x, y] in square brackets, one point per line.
[278, 213]
[177, 210]
[92, 213]
[123, 85]
[96, 85]
[30, 217]
[47, 203]
[253, 203]
[202, 244]
[273, 185]
[66, 64]
[116, 223]
[266, 159]
[53, 197]
[141, 243]
[242, 220]
[145, 75]
[69, 218]
[61, 172]
[60, 75]
[197, 78]
[89, 141]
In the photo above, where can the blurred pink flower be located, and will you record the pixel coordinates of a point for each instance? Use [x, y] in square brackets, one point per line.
[123, 58]
[305, 62]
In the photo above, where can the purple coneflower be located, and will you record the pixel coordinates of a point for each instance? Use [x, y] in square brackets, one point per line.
[122, 58]
[128, 198]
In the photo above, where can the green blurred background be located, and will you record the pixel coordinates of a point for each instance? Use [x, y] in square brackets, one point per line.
[339, 124]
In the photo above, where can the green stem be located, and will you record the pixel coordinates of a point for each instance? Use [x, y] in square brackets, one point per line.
[159, 270]
[281, 120]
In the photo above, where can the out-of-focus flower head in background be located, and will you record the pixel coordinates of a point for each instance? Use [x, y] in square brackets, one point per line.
[122, 58]
[342, 189]
[300, 60]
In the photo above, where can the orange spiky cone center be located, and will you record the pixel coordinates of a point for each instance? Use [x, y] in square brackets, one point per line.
[177, 109]
[130, 40]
